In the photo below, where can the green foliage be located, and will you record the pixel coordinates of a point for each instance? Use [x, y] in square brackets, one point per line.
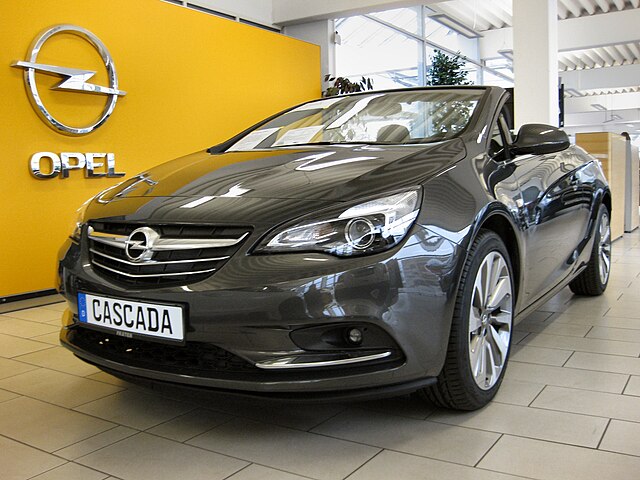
[342, 85]
[447, 70]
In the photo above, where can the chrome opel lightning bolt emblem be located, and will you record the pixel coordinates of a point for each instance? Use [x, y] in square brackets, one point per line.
[139, 245]
[73, 79]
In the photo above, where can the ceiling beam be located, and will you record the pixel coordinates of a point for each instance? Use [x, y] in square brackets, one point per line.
[611, 77]
[574, 33]
[288, 12]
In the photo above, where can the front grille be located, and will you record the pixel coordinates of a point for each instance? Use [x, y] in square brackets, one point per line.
[176, 254]
[194, 358]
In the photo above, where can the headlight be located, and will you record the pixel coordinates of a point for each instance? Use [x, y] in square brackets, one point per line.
[365, 228]
[79, 222]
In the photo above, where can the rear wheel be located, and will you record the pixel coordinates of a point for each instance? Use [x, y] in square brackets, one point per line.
[481, 329]
[593, 279]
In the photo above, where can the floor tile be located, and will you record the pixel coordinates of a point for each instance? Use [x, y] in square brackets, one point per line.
[50, 338]
[566, 377]
[56, 307]
[543, 356]
[286, 449]
[24, 328]
[622, 437]
[136, 410]
[517, 393]
[517, 336]
[418, 437]
[38, 314]
[622, 407]
[110, 379]
[71, 471]
[258, 472]
[145, 456]
[189, 425]
[633, 387]
[559, 427]
[608, 321]
[625, 310]
[583, 344]
[90, 445]
[46, 426]
[618, 334]
[57, 387]
[582, 308]
[605, 363]
[400, 466]
[60, 359]
[412, 406]
[540, 315]
[286, 414]
[552, 461]
[9, 368]
[553, 328]
[14, 346]
[6, 395]
[19, 462]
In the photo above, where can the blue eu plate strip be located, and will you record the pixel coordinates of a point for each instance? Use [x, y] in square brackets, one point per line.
[82, 307]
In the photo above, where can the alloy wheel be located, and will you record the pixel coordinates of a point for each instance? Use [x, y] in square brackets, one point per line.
[490, 320]
[604, 249]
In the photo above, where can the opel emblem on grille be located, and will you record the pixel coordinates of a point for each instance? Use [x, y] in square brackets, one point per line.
[139, 244]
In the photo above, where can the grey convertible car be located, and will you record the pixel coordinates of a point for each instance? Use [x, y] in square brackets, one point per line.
[365, 245]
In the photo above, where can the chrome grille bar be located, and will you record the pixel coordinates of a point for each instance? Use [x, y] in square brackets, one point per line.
[164, 244]
[154, 262]
[149, 275]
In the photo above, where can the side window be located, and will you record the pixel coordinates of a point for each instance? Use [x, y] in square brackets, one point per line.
[500, 139]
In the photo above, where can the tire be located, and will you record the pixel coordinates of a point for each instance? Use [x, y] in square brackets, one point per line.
[480, 333]
[593, 280]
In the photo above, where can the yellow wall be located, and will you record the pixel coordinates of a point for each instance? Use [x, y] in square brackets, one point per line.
[192, 80]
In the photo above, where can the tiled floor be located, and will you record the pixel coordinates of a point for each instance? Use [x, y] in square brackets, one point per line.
[569, 409]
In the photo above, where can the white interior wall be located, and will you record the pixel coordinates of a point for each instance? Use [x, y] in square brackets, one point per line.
[260, 11]
[321, 33]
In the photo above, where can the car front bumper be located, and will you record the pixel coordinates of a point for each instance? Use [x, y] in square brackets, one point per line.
[260, 311]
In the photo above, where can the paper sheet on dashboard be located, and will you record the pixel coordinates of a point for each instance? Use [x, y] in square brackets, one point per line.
[252, 140]
[298, 136]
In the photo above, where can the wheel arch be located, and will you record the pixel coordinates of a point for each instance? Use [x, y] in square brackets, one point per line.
[606, 200]
[500, 223]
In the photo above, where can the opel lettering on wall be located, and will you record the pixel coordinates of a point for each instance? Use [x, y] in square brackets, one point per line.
[75, 80]
[63, 163]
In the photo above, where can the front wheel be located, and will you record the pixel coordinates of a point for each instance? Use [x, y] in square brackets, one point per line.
[481, 328]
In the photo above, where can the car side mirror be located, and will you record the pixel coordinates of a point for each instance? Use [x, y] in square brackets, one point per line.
[538, 139]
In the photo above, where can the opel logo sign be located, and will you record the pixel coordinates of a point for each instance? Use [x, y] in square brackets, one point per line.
[73, 79]
[139, 245]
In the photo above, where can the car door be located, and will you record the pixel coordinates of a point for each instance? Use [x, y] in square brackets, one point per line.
[553, 210]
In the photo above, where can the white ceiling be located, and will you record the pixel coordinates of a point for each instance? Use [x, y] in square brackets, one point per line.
[483, 15]
[602, 68]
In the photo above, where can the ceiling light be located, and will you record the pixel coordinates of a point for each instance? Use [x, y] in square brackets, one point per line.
[573, 92]
[508, 54]
[455, 25]
[597, 106]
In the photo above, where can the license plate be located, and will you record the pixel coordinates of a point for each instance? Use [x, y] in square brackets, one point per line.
[127, 318]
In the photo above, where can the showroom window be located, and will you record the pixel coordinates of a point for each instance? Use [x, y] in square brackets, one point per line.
[394, 49]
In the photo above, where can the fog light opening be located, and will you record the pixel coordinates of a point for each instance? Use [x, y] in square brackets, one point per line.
[354, 336]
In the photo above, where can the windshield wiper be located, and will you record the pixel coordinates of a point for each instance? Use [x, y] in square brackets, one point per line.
[329, 143]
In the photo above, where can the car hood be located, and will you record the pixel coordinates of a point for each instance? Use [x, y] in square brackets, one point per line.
[268, 187]
[328, 173]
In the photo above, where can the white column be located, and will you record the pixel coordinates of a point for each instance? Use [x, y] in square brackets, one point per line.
[535, 61]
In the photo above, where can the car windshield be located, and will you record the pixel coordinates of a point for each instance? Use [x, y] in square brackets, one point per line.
[409, 117]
